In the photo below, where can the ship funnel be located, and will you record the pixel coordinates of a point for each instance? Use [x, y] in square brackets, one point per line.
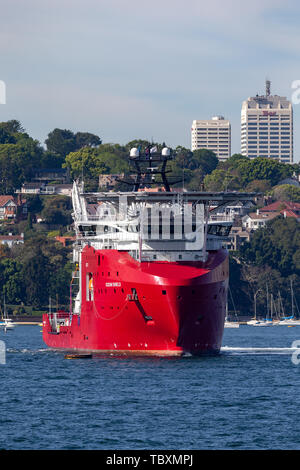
[165, 152]
[134, 153]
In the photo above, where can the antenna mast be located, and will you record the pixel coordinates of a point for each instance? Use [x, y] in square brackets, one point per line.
[268, 88]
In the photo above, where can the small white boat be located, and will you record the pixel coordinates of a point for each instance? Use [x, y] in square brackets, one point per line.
[231, 324]
[6, 323]
[265, 323]
[288, 322]
[291, 320]
[253, 322]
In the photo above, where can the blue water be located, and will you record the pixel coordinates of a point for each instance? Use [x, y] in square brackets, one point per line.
[246, 398]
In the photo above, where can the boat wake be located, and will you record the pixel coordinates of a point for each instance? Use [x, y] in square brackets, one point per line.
[27, 351]
[237, 351]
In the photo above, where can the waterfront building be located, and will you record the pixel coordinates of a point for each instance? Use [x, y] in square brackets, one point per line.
[213, 134]
[267, 127]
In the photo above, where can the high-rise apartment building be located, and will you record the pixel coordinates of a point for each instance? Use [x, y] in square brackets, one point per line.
[213, 134]
[267, 127]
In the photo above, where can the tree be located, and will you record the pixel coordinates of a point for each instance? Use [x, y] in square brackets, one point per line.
[6, 137]
[57, 210]
[11, 280]
[136, 143]
[206, 160]
[275, 246]
[91, 162]
[263, 169]
[286, 192]
[61, 141]
[233, 161]
[35, 271]
[12, 127]
[17, 162]
[221, 180]
[258, 186]
[85, 139]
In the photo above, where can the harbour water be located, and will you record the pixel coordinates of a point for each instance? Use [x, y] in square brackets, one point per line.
[246, 398]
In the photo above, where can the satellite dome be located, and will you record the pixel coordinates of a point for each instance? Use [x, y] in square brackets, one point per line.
[165, 152]
[134, 152]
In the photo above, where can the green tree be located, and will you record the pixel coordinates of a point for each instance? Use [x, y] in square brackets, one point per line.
[85, 139]
[206, 160]
[64, 141]
[263, 169]
[11, 281]
[12, 127]
[17, 161]
[35, 271]
[91, 162]
[57, 210]
[275, 246]
[258, 186]
[286, 192]
[61, 141]
[222, 180]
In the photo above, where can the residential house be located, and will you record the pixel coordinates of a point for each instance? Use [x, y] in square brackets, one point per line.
[66, 241]
[108, 182]
[31, 188]
[12, 208]
[47, 175]
[258, 219]
[63, 189]
[8, 207]
[285, 208]
[11, 239]
[46, 189]
[237, 237]
[232, 211]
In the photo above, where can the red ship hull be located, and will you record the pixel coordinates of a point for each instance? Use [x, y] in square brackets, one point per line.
[145, 308]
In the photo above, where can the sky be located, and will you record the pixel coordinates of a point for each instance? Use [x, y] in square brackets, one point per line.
[127, 69]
